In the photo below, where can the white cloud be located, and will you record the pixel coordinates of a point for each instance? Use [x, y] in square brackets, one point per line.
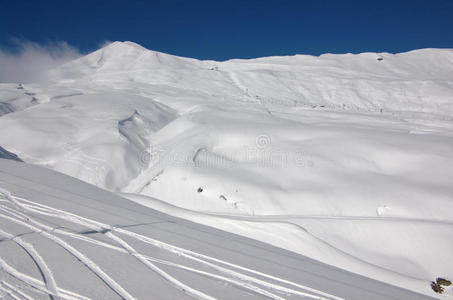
[32, 61]
[104, 43]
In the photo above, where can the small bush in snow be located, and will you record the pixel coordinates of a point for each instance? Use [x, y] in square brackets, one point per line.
[437, 285]
[443, 281]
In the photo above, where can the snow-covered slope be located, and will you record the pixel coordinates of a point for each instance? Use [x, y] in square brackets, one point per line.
[65, 239]
[417, 81]
[331, 157]
[98, 138]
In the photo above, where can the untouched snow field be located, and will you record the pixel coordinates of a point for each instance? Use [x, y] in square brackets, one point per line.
[345, 159]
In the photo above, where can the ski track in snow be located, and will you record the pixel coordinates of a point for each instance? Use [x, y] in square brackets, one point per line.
[19, 210]
[48, 278]
[13, 289]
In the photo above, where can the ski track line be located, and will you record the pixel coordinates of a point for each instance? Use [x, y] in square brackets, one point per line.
[248, 279]
[60, 290]
[9, 292]
[242, 276]
[168, 263]
[99, 226]
[246, 285]
[16, 290]
[75, 235]
[196, 256]
[179, 285]
[128, 249]
[48, 277]
[37, 284]
[77, 254]
[63, 232]
[184, 252]
[224, 270]
[63, 293]
[235, 282]
[144, 260]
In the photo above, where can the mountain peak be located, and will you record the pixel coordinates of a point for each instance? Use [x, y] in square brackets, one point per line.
[124, 45]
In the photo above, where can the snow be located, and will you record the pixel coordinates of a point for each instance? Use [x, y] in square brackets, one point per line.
[66, 239]
[345, 159]
[93, 131]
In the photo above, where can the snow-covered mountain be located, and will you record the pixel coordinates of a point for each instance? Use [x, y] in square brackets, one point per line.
[346, 159]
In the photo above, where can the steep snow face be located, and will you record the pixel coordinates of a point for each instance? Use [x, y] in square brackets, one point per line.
[329, 156]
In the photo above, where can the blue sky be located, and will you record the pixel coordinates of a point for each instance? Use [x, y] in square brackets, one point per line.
[232, 29]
